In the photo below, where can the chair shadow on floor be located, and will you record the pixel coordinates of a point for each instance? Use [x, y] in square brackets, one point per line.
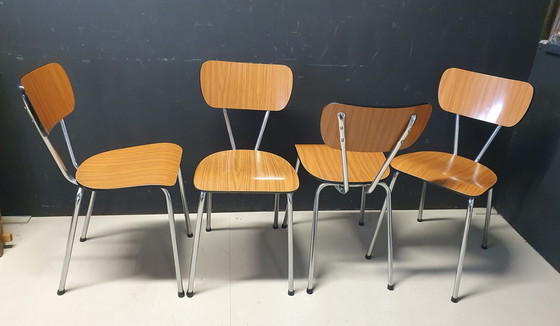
[440, 234]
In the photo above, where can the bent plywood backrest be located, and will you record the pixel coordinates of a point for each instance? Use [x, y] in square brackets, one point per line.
[483, 97]
[50, 94]
[249, 86]
[372, 129]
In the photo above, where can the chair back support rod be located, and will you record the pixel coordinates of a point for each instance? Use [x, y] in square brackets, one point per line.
[68, 143]
[488, 142]
[61, 166]
[230, 131]
[261, 132]
[341, 127]
[393, 153]
[456, 138]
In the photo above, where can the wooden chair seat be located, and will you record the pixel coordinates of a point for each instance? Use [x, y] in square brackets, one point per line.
[453, 172]
[325, 163]
[146, 165]
[245, 171]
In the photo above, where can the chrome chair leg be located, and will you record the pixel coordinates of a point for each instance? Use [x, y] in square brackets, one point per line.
[209, 213]
[380, 219]
[285, 221]
[88, 217]
[70, 242]
[289, 206]
[390, 284]
[197, 231]
[171, 216]
[276, 209]
[422, 200]
[184, 202]
[455, 297]
[487, 220]
[314, 238]
[362, 207]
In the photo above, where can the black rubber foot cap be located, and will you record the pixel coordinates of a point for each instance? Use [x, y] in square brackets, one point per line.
[291, 293]
[368, 257]
[484, 247]
[361, 223]
[419, 220]
[309, 291]
[83, 239]
[284, 226]
[189, 235]
[181, 294]
[454, 300]
[275, 226]
[190, 294]
[60, 292]
[390, 287]
[208, 230]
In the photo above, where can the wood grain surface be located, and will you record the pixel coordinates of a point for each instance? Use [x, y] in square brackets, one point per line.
[50, 93]
[372, 129]
[325, 163]
[245, 171]
[488, 98]
[146, 165]
[447, 170]
[249, 86]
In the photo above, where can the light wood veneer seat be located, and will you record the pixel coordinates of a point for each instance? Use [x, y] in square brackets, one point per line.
[453, 172]
[245, 171]
[138, 166]
[324, 163]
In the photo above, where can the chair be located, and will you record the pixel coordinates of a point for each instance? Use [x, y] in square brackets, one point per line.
[352, 156]
[48, 98]
[498, 101]
[247, 86]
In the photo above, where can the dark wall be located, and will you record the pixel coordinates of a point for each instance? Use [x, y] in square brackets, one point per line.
[529, 191]
[134, 67]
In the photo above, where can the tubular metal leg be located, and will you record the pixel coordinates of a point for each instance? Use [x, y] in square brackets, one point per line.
[487, 220]
[362, 207]
[88, 217]
[289, 206]
[276, 209]
[209, 213]
[380, 219]
[285, 221]
[197, 231]
[70, 242]
[174, 242]
[422, 200]
[455, 297]
[314, 238]
[184, 202]
[390, 285]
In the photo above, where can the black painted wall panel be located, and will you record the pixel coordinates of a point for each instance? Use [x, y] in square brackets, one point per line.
[134, 66]
[528, 194]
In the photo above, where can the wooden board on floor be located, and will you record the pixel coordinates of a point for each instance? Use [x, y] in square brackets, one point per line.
[3, 238]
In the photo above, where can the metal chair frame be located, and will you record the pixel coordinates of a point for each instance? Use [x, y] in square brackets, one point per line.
[79, 195]
[343, 188]
[468, 218]
[207, 196]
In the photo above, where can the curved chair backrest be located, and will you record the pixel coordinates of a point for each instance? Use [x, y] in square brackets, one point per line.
[372, 129]
[483, 97]
[50, 94]
[248, 86]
